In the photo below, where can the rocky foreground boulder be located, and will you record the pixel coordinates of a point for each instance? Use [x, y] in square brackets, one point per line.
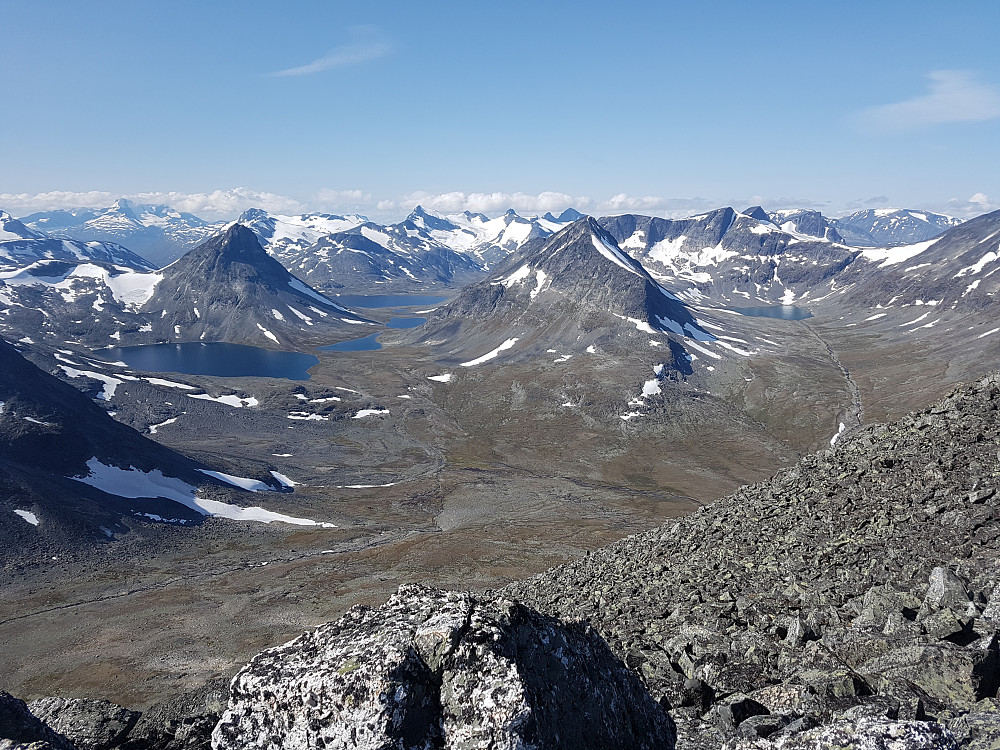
[431, 669]
[859, 586]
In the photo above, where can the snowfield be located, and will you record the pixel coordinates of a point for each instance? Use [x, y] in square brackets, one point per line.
[135, 483]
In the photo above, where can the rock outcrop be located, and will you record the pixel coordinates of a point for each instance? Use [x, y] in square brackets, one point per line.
[19, 728]
[431, 669]
[88, 724]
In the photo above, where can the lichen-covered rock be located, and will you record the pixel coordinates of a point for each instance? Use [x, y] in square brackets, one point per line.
[20, 728]
[88, 724]
[431, 669]
[866, 734]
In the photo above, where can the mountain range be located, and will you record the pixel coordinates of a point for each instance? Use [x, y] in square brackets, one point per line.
[226, 289]
[158, 233]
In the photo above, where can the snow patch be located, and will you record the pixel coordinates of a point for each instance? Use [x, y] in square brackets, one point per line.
[132, 482]
[490, 355]
[444, 378]
[369, 413]
[28, 516]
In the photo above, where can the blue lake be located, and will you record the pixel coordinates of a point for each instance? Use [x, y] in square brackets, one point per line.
[406, 322]
[219, 359]
[388, 300]
[367, 344]
[782, 312]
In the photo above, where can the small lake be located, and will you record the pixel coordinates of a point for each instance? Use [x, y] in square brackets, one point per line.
[406, 322]
[782, 312]
[388, 300]
[367, 344]
[217, 358]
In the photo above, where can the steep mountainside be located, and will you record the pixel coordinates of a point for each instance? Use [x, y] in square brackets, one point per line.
[230, 289]
[352, 253]
[75, 477]
[959, 269]
[731, 257]
[489, 241]
[49, 432]
[159, 233]
[280, 233]
[861, 584]
[565, 293]
[802, 221]
[886, 227]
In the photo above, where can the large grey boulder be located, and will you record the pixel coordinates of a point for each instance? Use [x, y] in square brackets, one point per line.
[19, 728]
[430, 669]
[89, 724]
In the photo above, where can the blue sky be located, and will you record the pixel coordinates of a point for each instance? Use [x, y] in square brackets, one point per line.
[655, 107]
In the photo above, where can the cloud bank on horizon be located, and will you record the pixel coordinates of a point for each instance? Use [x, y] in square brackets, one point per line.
[226, 204]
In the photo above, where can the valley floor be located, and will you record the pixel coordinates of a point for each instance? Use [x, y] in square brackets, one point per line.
[467, 484]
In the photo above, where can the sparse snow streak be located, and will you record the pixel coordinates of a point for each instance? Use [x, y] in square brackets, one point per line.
[232, 400]
[445, 378]
[490, 355]
[135, 483]
[268, 333]
[154, 428]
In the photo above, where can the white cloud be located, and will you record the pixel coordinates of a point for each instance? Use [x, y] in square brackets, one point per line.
[217, 204]
[967, 208]
[367, 43]
[953, 96]
[457, 201]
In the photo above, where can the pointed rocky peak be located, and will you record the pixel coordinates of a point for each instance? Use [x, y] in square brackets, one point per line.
[13, 229]
[422, 218]
[475, 216]
[123, 207]
[585, 250]
[569, 215]
[252, 215]
[758, 213]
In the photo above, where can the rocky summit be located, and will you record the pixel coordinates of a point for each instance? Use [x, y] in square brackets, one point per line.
[431, 669]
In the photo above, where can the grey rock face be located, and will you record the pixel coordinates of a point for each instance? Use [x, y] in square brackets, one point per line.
[89, 724]
[867, 734]
[19, 728]
[442, 670]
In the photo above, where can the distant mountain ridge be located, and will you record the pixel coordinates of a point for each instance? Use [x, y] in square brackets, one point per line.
[159, 233]
[885, 227]
[21, 246]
